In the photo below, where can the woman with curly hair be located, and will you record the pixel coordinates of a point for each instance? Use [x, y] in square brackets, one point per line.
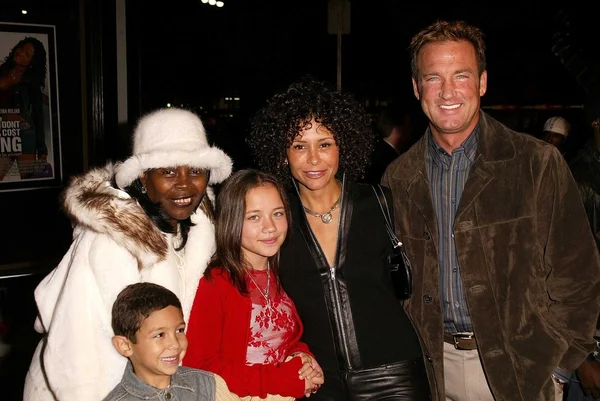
[22, 77]
[334, 265]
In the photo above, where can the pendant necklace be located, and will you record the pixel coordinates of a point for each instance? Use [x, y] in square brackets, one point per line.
[325, 217]
[264, 292]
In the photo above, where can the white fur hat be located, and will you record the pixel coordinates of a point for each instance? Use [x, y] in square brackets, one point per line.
[558, 125]
[170, 138]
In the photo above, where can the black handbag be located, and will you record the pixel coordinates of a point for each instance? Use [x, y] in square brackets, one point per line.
[398, 262]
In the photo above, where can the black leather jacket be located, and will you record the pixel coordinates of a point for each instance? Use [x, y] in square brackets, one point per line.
[349, 311]
[586, 170]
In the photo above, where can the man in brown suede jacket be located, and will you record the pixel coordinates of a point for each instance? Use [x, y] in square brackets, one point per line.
[505, 268]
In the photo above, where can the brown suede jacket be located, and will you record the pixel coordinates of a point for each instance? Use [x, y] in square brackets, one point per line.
[528, 261]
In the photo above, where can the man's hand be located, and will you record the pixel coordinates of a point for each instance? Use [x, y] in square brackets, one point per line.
[588, 374]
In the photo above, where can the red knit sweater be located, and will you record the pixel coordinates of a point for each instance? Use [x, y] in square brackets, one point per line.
[218, 333]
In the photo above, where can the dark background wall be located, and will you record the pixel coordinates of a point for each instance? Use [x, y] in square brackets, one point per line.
[34, 223]
[35, 231]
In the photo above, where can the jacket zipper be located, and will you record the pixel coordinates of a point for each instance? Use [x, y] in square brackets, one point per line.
[337, 303]
[339, 317]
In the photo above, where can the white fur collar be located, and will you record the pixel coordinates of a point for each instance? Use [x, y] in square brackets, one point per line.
[91, 201]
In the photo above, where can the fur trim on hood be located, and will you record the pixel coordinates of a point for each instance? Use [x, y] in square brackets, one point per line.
[91, 201]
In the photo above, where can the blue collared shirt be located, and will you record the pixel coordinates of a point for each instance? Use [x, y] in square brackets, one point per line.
[447, 177]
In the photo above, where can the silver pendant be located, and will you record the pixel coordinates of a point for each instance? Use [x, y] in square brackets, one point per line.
[326, 218]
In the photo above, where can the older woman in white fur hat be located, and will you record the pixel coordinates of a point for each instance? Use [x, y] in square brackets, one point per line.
[146, 219]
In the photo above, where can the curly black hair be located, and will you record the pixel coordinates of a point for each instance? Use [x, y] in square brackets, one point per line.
[36, 73]
[286, 114]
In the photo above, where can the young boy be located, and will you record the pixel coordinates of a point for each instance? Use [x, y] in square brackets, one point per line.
[149, 330]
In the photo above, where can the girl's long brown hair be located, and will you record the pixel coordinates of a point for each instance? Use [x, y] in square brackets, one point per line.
[230, 212]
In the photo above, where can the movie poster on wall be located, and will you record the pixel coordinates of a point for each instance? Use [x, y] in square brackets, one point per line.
[29, 115]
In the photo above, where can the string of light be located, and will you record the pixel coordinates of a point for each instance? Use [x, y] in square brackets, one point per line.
[213, 3]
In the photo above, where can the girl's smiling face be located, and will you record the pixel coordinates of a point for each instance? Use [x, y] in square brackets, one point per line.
[265, 225]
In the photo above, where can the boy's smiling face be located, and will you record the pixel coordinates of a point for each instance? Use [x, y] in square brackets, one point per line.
[161, 345]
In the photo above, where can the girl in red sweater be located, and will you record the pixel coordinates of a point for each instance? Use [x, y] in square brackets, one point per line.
[243, 326]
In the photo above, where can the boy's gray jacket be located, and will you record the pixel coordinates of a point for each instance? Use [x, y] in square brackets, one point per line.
[186, 385]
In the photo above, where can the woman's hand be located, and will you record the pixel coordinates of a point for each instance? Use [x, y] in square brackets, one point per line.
[310, 371]
[312, 385]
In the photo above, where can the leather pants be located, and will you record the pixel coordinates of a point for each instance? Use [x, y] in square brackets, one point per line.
[401, 381]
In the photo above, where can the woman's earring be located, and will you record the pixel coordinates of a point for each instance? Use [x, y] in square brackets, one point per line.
[285, 162]
[144, 190]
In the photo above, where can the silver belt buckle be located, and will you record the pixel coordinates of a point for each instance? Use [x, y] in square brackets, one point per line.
[461, 336]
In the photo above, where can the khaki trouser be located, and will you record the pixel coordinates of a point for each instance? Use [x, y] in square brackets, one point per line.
[465, 380]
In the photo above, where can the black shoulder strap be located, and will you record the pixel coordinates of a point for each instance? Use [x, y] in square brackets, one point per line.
[386, 214]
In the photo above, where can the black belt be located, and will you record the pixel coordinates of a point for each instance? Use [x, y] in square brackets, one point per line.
[461, 341]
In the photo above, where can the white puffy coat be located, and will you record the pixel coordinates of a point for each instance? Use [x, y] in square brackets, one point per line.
[114, 244]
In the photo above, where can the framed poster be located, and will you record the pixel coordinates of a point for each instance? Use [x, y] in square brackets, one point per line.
[30, 154]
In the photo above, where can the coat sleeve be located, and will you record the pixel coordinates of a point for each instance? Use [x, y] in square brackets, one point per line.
[206, 338]
[301, 347]
[297, 345]
[571, 260]
[74, 303]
